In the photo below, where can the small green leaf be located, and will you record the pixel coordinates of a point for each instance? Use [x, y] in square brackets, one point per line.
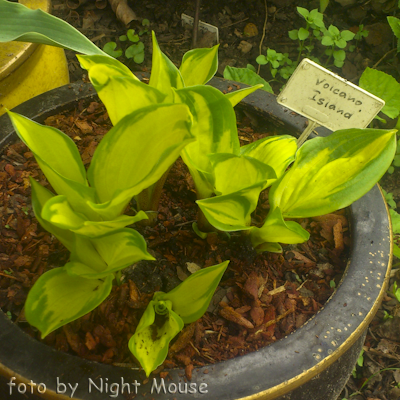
[131, 35]
[347, 35]
[338, 63]
[199, 66]
[23, 24]
[145, 22]
[334, 31]
[385, 87]
[322, 5]
[191, 298]
[395, 217]
[139, 58]
[245, 75]
[303, 12]
[327, 41]
[57, 298]
[339, 55]
[396, 250]
[341, 43]
[395, 25]
[294, 34]
[389, 199]
[303, 34]
[261, 59]
[135, 51]
[110, 47]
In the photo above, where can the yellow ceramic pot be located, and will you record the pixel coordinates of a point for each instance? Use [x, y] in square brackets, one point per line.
[29, 69]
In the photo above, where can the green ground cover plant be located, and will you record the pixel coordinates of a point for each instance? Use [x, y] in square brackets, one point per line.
[134, 47]
[282, 67]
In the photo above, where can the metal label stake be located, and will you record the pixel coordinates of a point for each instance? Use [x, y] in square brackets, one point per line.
[307, 132]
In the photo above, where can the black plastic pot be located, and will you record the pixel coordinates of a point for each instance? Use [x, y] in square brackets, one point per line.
[312, 363]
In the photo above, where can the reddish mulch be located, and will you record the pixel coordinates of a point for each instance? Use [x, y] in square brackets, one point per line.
[262, 297]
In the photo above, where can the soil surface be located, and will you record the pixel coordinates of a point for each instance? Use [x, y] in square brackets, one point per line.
[246, 29]
[261, 299]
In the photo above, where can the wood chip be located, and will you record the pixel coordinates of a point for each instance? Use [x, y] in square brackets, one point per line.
[231, 315]
[185, 336]
[338, 236]
[192, 267]
[277, 290]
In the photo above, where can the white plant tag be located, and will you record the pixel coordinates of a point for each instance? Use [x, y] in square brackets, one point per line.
[327, 99]
[203, 26]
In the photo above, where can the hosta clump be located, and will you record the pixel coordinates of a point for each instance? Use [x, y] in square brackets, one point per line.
[86, 214]
[175, 114]
[327, 174]
[152, 125]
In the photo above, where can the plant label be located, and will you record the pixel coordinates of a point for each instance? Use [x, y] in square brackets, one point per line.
[203, 26]
[327, 99]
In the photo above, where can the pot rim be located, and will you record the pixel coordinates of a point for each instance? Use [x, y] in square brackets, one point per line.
[310, 349]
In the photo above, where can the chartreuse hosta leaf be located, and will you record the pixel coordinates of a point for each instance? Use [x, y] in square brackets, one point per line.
[164, 74]
[20, 23]
[233, 173]
[167, 313]
[59, 159]
[191, 298]
[276, 151]
[214, 126]
[275, 230]
[136, 152]
[120, 91]
[238, 95]
[40, 196]
[199, 66]
[118, 68]
[59, 213]
[232, 212]
[99, 257]
[332, 172]
[153, 334]
[58, 298]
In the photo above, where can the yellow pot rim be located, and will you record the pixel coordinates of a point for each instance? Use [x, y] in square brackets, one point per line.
[14, 54]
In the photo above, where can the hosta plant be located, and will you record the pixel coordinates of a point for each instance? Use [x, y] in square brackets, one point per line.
[152, 125]
[86, 214]
[175, 114]
[328, 174]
